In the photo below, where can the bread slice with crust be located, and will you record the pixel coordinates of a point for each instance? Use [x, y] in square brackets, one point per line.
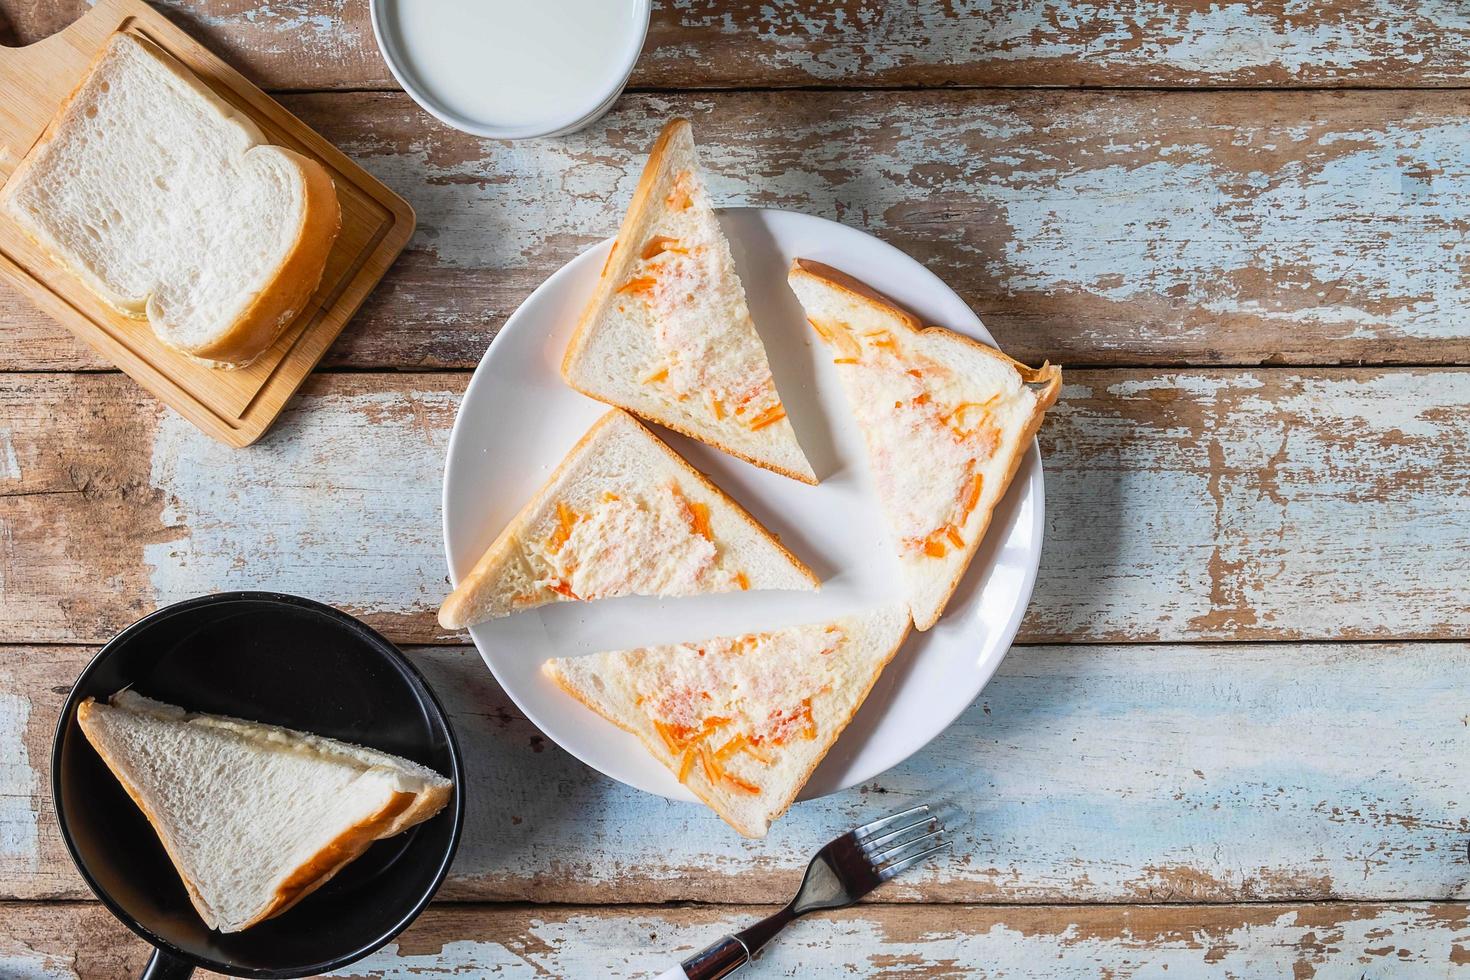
[743, 721]
[946, 420]
[169, 205]
[667, 334]
[622, 515]
[254, 817]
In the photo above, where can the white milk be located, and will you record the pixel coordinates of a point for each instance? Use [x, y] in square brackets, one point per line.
[516, 63]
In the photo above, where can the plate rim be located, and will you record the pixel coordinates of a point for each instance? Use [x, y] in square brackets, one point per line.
[1035, 490]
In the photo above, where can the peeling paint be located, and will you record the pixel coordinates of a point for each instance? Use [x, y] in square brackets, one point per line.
[9, 464]
[340, 502]
[951, 943]
[20, 789]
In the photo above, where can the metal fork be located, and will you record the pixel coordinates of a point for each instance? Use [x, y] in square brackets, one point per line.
[841, 873]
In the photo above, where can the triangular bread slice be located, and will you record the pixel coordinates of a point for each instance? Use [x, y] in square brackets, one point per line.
[254, 817]
[622, 515]
[667, 334]
[169, 204]
[947, 420]
[741, 720]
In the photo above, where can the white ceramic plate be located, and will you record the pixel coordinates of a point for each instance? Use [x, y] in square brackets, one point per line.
[518, 419]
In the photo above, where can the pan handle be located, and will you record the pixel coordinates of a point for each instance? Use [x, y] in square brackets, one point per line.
[166, 966]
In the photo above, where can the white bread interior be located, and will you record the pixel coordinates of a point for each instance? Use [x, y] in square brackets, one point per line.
[254, 817]
[905, 383]
[792, 691]
[623, 514]
[168, 203]
[680, 349]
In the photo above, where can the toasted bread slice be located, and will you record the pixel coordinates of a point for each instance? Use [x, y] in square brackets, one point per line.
[167, 203]
[946, 420]
[742, 720]
[254, 817]
[622, 515]
[667, 334]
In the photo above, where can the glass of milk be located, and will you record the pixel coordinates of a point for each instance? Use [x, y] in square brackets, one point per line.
[512, 69]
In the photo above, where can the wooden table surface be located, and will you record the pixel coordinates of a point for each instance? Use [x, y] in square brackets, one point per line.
[1234, 736]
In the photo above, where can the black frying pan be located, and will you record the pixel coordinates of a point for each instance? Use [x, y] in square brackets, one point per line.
[285, 661]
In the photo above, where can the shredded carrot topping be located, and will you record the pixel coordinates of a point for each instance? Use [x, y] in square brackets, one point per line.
[837, 335]
[718, 407]
[679, 197]
[708, 764]
[563, 587]
[882, 338]
[915, 372]
[844, 360]
[699, 518]
[935, 549]
[959, 419]
[976, 485]
[638, 284]
[660, 375]
[565, 517]
[770, 416]
[953, 533]
[659, 244]
[742, 580]
[608, 496]
[739, 783]
[922, 398]
[730, 748]
[685, 765]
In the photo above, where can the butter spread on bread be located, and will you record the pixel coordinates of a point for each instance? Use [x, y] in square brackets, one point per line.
[946, 421]
[254, 817]
[622, 515]
[167, 203]
[667, 334]
[742, 720]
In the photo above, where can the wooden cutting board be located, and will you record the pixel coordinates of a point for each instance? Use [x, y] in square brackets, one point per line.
[234, 406]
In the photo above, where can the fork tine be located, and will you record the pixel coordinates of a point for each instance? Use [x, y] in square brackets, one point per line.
[883, 823]
[873, 845]
[909, 862]
[902, 851]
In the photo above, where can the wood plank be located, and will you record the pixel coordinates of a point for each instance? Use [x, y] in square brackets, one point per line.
[1410, 941]
[300, 44]
[1086, 773]
[1087, 227]
[1183, 506]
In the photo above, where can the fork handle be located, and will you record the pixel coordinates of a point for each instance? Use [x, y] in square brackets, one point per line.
[720, 959]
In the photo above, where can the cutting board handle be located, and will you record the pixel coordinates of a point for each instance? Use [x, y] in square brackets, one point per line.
[37, 78]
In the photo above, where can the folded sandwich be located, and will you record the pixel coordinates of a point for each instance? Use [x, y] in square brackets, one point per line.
[667, 334]
[741, 720]
[254, 817]
[167, 203]
[622, 515]
[946, 420]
